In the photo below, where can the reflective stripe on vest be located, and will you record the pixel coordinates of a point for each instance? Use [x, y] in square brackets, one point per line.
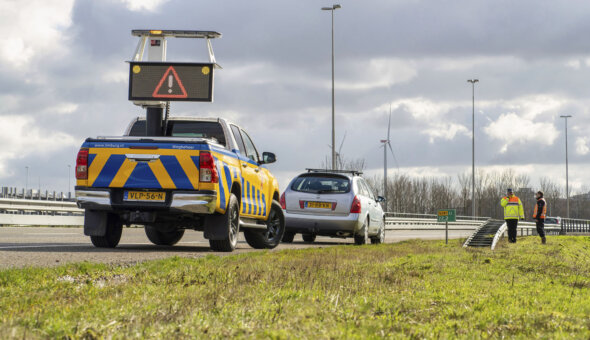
[512, 208]
[543, 213]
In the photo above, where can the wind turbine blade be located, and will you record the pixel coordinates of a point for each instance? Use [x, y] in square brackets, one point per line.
[393, 154]
[389, 123]
[343, 138]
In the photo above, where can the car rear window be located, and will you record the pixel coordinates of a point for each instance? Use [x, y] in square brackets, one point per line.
[322, 184]
[199, 129]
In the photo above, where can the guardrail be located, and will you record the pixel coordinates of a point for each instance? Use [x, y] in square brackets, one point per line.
[38, 212]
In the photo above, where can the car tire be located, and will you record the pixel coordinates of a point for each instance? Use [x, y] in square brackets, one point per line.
[363, 235]
[230, 220]
[163, 238]
[288, 237]
[308, 238]
[113, 234]
[380, 237]
[275, 229]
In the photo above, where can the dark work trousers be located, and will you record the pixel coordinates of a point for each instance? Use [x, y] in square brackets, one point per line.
[541, 227]
[512, 224]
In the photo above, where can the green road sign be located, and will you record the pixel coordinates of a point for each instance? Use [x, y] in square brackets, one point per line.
[447, 215]
[163, 81]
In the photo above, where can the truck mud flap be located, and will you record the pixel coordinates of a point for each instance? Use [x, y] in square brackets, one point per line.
[216, 227]
[95, 223]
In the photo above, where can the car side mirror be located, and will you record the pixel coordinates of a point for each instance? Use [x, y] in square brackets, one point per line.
[380, 199]
[268, 157]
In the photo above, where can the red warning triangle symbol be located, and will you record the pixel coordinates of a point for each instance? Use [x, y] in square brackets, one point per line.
[173, 86]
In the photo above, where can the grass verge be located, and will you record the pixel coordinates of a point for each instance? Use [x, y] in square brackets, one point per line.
[413, 289]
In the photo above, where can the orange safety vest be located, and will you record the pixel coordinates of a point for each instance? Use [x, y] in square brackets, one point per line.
[543, 213]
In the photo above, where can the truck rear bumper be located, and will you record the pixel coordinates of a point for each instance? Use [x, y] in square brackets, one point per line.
[197, 202]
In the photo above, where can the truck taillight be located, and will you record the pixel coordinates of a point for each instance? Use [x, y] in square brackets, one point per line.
[207, 170]
[355, 207]
[82, 164]
[283, 202]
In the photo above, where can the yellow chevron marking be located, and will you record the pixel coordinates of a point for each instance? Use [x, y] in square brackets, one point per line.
[189, 167]
[97, 164]
[123, 174]
[162, 175]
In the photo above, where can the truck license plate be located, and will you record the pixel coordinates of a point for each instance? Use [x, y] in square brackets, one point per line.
[144, 196]
[320, 205]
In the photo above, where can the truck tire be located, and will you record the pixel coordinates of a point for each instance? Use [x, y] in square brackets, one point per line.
[308, 238]
[288, 237]
[113, 233]
[275, 228]
[231, 221]
[163, 238]
[363, 234]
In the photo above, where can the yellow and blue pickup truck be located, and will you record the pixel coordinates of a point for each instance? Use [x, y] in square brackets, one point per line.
[204, 174]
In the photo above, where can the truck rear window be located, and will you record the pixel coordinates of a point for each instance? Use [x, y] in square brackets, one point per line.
[322, 184]
[192, 129]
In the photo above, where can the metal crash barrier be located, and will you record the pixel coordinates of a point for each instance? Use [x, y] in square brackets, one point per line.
[39, 213]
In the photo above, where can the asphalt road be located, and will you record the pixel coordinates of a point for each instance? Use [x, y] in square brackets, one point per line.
[39, 246]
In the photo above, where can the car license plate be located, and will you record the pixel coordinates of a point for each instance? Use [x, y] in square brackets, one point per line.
[144, 196]
[320, 205]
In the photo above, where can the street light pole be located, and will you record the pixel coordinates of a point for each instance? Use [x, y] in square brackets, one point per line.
[26, 181]
[567, 189]
[472, 81]
[69, 179]
[332, 9]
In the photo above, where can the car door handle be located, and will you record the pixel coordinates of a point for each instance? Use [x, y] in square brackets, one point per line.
[244, 165]
[257, 170]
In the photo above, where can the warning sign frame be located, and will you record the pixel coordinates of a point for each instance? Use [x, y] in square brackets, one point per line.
[196, 86]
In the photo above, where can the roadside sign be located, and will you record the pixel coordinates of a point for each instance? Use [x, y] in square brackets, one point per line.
[447, 215]
[163, 81]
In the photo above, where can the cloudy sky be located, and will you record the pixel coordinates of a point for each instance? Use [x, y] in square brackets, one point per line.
[63, 77]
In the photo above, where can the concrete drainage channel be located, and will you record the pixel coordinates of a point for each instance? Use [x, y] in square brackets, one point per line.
[487, 235]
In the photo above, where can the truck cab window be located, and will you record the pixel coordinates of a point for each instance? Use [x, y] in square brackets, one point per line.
[250, 148]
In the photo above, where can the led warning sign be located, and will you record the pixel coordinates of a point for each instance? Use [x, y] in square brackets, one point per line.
[162, 81]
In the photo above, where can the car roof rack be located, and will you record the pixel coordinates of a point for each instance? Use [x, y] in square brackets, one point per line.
[353, 172]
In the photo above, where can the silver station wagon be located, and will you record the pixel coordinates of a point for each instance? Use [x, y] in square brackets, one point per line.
[334, 203]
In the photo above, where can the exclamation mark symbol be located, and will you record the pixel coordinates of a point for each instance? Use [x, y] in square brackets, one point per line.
[170, 83]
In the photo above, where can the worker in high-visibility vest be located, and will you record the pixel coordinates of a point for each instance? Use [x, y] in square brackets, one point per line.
[513, 211]
[539, 215]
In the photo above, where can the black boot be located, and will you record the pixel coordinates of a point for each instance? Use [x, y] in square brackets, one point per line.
[543, 240]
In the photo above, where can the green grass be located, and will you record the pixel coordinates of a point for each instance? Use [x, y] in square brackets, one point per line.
[414, 289]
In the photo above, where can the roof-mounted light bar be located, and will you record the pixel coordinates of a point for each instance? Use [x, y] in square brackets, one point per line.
[176, 34]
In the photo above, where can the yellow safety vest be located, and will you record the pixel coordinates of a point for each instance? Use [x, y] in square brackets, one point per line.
[513, 209]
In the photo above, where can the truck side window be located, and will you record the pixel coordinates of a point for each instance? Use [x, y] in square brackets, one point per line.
[236, 131]
[250, 148]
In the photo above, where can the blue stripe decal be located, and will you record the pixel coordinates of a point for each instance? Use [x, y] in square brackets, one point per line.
[176, 172]
[248, 198]
[243, 197]
[227, 177]
[127, 144]
[91, 158]
[142, 177]
[263, 205]
[258, 202]
[196, 161]
[221, 186]
[109, 171]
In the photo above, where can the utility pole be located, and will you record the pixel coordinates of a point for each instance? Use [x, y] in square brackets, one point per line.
[567, 189]
[332, 9]
[473, 81]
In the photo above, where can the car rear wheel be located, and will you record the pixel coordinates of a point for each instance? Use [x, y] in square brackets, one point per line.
[288, 237]
[231, 221]
[309, 238]
[363, 235]
[113, 233]
[380, 237]
[275, 228]
[163, 238]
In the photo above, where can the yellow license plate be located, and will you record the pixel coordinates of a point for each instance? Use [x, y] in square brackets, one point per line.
[145, 196]
[320, 205]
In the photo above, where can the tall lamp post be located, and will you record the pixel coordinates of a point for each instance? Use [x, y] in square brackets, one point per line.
[26, 181]
[332, 9]
[567, 189]
[472, 81]
[69, 178]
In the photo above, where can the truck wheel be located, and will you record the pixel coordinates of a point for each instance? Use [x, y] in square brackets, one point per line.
[363, 235]
[231, 221]
[309, 238]
[288, 237]
[113, 235]
[275, 228]
[380, 237]
[163, 238]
